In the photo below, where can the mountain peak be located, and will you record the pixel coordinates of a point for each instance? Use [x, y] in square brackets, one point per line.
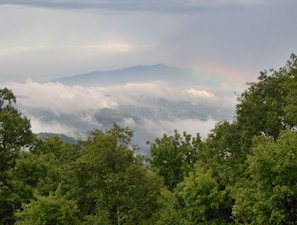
[138, 73]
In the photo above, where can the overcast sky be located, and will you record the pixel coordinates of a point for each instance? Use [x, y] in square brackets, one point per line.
[43, 39]
[225, 42]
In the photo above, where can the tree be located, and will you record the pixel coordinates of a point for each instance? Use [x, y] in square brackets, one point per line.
[267, 194]
[173, 157]
[110, 183]
[15, 135]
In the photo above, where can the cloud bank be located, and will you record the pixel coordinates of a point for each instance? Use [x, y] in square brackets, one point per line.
[150, 109]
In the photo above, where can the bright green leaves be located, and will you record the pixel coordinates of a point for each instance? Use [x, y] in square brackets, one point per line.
[48, 210]
[268, 194]
[204, 200]
[173, 157]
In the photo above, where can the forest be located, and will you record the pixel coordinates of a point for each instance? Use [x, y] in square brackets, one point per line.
[244, 172]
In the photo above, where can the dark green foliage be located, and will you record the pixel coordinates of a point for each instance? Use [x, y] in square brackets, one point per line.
[291, 106]
[222, 152]
[15, 132]
[15, 135]
[266, 107]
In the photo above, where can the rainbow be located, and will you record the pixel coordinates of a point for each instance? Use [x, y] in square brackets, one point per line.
[211, 74]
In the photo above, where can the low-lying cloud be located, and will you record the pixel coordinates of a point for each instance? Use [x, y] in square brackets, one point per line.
[150, 109]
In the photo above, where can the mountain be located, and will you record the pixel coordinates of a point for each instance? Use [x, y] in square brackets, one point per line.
[135, 74]
[62, 137]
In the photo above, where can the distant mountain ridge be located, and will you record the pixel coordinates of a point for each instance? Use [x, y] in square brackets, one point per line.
[135, 74]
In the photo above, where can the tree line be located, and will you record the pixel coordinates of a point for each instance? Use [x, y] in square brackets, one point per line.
[244, 172]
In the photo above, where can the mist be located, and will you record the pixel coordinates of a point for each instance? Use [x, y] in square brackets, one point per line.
[150, 109]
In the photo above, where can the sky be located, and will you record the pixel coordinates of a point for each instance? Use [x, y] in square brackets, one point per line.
[236, 39]
[226, 40]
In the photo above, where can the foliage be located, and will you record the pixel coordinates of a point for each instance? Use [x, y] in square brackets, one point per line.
[173, 157]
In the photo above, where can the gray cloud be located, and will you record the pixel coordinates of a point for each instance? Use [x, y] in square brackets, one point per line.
[173, 6]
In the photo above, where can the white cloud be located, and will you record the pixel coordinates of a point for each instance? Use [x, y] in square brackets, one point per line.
[51, 127]
[191, 126]
[195, 93]
[59, 99]
[53, 107]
